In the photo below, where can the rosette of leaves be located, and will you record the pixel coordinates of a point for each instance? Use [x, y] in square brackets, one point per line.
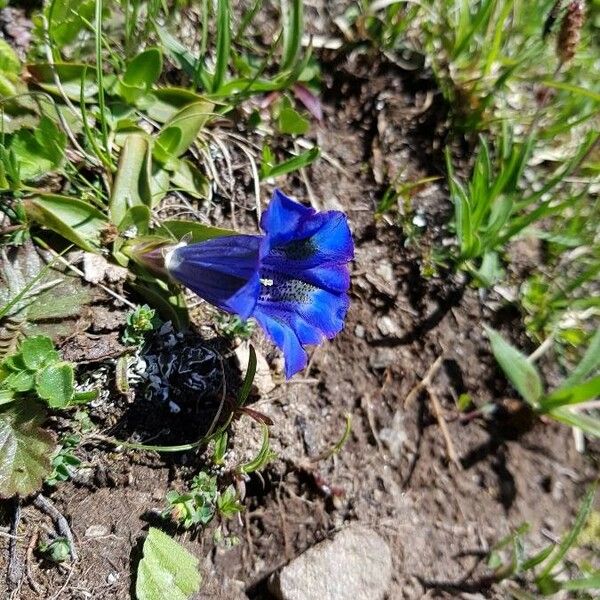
[36, 298]
[29, 379]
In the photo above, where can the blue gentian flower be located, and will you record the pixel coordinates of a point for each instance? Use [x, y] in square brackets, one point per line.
[293, 279]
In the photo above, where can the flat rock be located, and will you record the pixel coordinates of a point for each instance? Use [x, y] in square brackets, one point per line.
[355, 565]
[262, 378]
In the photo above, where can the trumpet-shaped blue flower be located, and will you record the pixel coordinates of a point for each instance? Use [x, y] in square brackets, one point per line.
[293, 279]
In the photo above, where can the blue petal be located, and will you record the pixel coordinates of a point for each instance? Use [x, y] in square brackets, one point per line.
[319, 239]
[283, 218]
[284, 337]
[224, 271]
[326, 311]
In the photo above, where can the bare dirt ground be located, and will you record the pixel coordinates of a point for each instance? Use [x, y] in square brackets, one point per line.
[397, 474]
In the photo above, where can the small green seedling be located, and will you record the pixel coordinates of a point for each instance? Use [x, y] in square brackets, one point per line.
[57, 550]
[232, 326]
[139, 322]
[195, 507]
[36, 368]
[582, 386]
[64, 462]
[199, 505]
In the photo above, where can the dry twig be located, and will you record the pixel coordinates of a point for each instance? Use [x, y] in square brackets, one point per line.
[431, 373]
[62, 526]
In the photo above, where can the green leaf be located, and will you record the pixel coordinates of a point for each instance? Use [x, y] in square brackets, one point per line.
[38, 351]
[39, 298]
[55, 384]
[141, 73]
[132, 182]
[571, 537]
[522, 374]
[161, 104]
[223, 43]
[220, 447]
[75, 220]
[181, 130]
[67, 18]
[249, 378]
[6, 396]
[188, 178]
[588, 364]
[25, 449]
[70, 76]
[586, 423]
[39, 151]
[198, 232]
[293, 22]
[292, 164]
[10, 65]
[573, 394]
[182, 56]
[263, 456]
[138, 217]
[291, 122]
[167, 570]
[228, 504]
[22, 381]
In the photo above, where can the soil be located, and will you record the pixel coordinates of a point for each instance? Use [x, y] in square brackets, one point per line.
[440, 514]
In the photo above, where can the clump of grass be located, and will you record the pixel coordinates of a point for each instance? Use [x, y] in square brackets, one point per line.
[548, 571]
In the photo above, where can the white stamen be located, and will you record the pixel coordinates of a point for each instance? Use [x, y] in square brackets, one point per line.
[267, 282]
[169, 254]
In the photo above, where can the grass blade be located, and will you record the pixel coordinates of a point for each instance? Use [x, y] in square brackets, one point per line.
[571, 537]
[293, 27]
[223, 44]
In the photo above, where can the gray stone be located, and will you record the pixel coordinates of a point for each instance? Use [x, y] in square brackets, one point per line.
[355, 565]
[381, 358]
[387, 327]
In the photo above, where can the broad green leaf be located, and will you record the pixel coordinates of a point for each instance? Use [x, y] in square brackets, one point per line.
[25, 449]
[6, 396]
[291, 122]
[38, 351]
[69, 75]
[573, 394]
[39, 298]
[10, 65]
[132, 181]
[141, 73]
[67, 18]
[55, 384]
[39, 151]
[137, 217]
[188, 178]
[167, 570]
[181, 131]
[522, 374]
[75, 220]
[21, 381]
[163, 103]
[198, 232]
